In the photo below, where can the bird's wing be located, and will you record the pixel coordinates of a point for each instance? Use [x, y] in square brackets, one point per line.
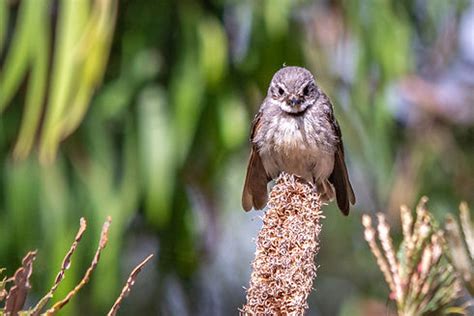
[255, 186]
[339, 176]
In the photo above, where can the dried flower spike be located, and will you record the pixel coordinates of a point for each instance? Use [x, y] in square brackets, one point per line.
[284, 267]
[461, 245]
[420, 277]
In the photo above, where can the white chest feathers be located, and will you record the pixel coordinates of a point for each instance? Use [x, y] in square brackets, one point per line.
[291, 134]
[296, 145]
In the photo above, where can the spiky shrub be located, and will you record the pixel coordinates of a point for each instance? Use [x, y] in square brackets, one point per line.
[284, 266]
[461, 245]
[420, 277]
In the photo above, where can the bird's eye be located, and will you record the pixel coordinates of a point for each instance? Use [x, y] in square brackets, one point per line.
[281, 91]
[306, 91]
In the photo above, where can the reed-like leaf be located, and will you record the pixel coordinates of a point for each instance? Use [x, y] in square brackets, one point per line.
[19, 54]
[35, 95]
[71, 21]
[4, 19]
[156, 141]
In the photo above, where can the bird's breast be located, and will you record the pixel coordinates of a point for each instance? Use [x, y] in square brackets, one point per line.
[298, 145]
[299, 133]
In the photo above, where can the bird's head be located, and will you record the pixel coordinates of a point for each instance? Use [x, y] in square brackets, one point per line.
[293, 89]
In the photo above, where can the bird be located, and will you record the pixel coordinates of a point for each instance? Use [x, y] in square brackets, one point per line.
[295, 131]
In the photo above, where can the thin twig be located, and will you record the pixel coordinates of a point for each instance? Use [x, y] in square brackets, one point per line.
[102, 243]
[128, 285]
[65, 265]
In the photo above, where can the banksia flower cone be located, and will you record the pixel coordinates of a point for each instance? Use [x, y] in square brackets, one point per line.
[284, 266]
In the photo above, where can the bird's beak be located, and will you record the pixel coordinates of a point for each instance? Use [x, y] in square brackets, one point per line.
[294, 101]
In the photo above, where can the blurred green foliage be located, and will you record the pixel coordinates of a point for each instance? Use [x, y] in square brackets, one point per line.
[146, 132]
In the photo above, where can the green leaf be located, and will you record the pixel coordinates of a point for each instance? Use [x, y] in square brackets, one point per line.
[158, 161]
[17, 59]
[71, 21]
[36, 91]
[213, 50]
[4, 18]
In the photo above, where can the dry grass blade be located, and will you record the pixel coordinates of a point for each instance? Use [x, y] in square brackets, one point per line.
[387, 245]
[65, 265]
[458, 252]
[17, 295]
[102, 243]
[128, 285]
[370, 234]
[467, 227]
[461, 245]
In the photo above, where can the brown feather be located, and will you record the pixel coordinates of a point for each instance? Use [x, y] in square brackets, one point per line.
[340, 178]
[255, 187]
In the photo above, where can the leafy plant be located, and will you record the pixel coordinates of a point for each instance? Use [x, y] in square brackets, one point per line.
[83, 37]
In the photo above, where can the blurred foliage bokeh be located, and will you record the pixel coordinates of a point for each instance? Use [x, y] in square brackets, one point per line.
[141, 110]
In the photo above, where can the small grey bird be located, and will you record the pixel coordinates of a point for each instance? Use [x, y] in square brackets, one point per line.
[295, 131]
